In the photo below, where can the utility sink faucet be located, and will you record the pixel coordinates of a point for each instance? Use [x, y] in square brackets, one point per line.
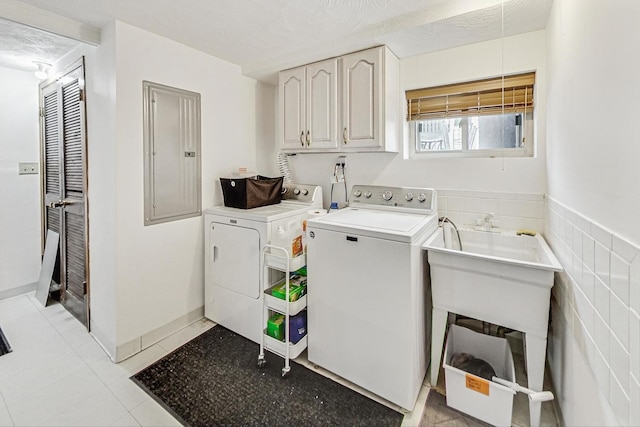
[488, 221]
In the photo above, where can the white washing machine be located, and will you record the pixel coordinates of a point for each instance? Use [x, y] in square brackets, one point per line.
[368, 307]
[234, 239]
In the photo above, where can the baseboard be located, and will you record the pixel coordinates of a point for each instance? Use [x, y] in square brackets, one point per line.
[18, 290]
[130, 348]
[102, 340]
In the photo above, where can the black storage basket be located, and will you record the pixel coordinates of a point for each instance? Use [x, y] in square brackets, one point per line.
[247, 193]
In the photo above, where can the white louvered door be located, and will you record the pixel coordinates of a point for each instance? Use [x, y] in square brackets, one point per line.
[64, 183]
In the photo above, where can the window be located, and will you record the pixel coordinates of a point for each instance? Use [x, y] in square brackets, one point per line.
[482, 118]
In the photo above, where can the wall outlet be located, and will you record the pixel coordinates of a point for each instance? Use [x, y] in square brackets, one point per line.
[28, 168]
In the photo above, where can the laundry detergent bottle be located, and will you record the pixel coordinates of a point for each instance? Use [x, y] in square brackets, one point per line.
[288, 237]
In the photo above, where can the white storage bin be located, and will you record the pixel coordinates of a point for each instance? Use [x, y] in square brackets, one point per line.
[486, 400]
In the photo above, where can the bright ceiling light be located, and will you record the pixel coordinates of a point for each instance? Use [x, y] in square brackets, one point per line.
[43, 70]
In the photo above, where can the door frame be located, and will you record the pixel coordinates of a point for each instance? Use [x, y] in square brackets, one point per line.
[79, 63]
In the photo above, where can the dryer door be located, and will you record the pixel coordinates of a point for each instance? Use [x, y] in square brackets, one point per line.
[234, 257]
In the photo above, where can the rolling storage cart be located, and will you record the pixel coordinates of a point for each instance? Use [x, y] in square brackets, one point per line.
[277, 258]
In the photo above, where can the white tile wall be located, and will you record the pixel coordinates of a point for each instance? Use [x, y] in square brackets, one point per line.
[602, 335]
[585, 311]
[590, 350]
[599, 293]
[601, 235]
[620, 402]
[602, 373]
[602, 257]
[634, 285]
[634, 344]
[510, 210]
[602, 295]
[588, 251]
[589, 284]
[634, 413]
[620, 363]
[619, 320]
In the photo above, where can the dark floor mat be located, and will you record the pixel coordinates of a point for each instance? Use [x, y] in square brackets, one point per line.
[4, 344]
[214, 380]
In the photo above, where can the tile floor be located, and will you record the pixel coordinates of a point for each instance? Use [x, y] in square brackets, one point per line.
[57, 375]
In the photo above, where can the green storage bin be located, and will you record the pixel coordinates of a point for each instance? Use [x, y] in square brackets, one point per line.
[275, 326]
[297, 288]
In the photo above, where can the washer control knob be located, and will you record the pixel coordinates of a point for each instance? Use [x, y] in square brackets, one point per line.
[367, 194]
[408, 197]
[422, 197]
[305, 192]
[296, 191]
[387, 195]
[357, 193]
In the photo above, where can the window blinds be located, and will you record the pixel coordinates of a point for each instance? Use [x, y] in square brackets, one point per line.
[487, 96]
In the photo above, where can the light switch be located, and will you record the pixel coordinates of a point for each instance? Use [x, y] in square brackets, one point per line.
[27, 168]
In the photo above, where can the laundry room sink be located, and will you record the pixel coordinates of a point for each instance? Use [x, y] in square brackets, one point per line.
[498, 277]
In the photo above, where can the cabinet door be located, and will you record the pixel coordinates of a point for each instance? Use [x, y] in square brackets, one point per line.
[322, 105]
[361, 97]
[292, 109]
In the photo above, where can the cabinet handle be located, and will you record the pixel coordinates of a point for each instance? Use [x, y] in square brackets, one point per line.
[302, 138]
[345, 137]
[308, 139]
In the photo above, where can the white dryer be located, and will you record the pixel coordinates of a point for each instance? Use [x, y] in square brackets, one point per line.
[367, 304]
[234, 239]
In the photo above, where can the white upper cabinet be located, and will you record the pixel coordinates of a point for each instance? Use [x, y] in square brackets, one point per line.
[292, 109]
[371, 101]
[309, 107]
[364, 116]
[361, 92]
[322, 105]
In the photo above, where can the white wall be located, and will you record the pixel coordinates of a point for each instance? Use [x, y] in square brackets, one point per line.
[593, 208]
[159, 269]
[593, 111]
[100, 71]
[265, 128]
[20, 237]
[518, 175]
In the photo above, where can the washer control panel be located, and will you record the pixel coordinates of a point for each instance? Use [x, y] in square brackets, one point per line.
[423, 199]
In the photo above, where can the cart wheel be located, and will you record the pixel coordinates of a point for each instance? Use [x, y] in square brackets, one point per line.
[261, 362]
[285, 371]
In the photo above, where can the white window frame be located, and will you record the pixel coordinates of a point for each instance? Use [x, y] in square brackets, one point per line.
[527, 150]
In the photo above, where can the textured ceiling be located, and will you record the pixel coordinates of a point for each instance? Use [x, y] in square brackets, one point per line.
[265, 36]
[21, 45]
